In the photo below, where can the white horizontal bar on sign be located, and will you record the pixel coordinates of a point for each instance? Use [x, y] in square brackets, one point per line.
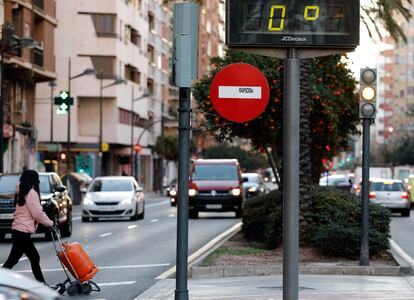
[240, 92]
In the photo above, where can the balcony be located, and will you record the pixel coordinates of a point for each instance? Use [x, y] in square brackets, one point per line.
[39, 4]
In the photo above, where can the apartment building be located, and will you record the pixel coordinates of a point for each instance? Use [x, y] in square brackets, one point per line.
[129, 39]
[26, 65]
[397, 100]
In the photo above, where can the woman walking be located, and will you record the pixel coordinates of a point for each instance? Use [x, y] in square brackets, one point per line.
[28, 214]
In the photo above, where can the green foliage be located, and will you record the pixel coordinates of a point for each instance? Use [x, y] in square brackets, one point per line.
[248, 161]
[262, 219]
[337, 223]
[167, 146]
[334, 222]
[332, 96]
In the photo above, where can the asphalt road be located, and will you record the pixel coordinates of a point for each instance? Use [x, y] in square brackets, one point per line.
[129, 254]
[401, 232]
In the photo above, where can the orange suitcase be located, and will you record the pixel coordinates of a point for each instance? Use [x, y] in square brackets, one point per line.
[77, 261]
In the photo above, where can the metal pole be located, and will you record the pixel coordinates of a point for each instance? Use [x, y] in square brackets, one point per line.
[181, 292]
[364, 255]
[2, 104]
[132, 131]
[291, 176]
[68, 142]
[51, 110]
[100, 126]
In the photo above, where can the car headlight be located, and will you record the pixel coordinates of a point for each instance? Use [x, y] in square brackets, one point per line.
[252, 189]
[126, 201]
[192, 192]
[235, 192]
[173, 192]
[88, 201]
[13, 293]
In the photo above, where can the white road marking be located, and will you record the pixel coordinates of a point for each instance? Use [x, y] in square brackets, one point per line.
[171, 215]
[76, 218]
[116, 283]
[105, 234]
[23, 258]
[157, 204]
[108, 267]
[132, 226]
[154, 220]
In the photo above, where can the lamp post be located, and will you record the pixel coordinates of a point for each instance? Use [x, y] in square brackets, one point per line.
[143, 96]
[52, 85]
[118, 80]
[88, 71]
[24, 42]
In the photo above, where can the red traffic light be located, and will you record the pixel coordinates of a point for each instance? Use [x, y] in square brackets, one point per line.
[137, 148]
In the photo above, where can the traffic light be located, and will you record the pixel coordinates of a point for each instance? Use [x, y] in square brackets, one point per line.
[368, 93]
[64, 101]
[62, 156]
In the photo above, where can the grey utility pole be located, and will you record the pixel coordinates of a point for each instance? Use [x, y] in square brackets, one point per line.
[291, 176]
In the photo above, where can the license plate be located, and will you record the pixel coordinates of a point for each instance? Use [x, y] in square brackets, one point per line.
[213, 206]
[6, 216]
[107, 208]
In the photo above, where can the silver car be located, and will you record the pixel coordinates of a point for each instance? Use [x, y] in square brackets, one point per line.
[113, 197]
[390, 193]
[14, 285]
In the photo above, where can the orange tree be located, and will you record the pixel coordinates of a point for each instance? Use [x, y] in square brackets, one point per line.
[332, 108]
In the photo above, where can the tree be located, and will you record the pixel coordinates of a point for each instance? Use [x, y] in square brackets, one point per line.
[249, 162]
[167, 147]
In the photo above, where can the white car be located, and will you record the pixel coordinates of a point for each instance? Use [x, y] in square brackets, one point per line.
[14, 285]
[113, 197]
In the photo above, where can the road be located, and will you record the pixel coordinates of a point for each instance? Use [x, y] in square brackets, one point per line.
[401, 232]
[129, 254]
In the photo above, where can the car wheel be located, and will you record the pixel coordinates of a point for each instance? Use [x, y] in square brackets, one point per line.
[66, 228]
[238, 213]
[406, 213]
[85, 219]
[193, 214]
[136, 215]
[141, 215]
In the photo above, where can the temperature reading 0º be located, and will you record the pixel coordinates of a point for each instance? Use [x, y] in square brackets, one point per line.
[278, 14]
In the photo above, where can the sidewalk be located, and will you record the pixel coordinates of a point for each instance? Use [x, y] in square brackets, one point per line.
[312, 287]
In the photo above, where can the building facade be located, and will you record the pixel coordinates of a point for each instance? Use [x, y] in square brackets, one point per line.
[118, 39]
[25, 67]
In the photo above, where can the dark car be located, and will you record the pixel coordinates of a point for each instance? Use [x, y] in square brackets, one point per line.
[172, 192]
[54, 198]
[215, 186]
[253, 185]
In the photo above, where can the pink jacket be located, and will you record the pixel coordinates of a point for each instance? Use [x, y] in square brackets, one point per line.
[26, 217]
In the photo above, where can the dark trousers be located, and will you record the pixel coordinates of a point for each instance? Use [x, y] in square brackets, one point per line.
[23, 244]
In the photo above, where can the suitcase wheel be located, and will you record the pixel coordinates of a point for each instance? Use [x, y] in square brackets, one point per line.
[61, 288]
[86, 288]
[72, 289]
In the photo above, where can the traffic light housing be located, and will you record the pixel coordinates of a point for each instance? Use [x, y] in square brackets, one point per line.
[368, 93]
[64, 101]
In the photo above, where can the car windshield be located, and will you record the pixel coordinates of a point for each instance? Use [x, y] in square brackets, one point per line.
[252, 178]
[111, 186]
[8, 184]
[44, 185]
[214, 172]
[387, 186]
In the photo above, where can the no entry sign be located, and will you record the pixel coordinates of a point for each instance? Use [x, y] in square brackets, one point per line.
[239, 92]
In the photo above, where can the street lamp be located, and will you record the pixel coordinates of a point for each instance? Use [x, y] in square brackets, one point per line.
[23, 42]
[88, 71]
[143, 96]
[118, 80]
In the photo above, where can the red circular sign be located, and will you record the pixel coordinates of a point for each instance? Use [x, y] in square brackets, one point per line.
[137, 147]
[239, 92]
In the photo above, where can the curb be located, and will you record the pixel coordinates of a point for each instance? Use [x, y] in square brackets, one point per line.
[406, 265]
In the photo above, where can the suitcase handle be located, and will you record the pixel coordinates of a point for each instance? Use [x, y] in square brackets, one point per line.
[55, 232]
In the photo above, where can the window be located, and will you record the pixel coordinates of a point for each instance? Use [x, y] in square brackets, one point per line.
[151, 22]
[104, 65]
[150, 86]
[132, 74]
[151, 54]
[104, 24]
[401, 93]
[124, 116]
[132, 36]
[410, 90]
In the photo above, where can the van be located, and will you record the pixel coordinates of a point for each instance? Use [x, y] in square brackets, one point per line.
[215, 186]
